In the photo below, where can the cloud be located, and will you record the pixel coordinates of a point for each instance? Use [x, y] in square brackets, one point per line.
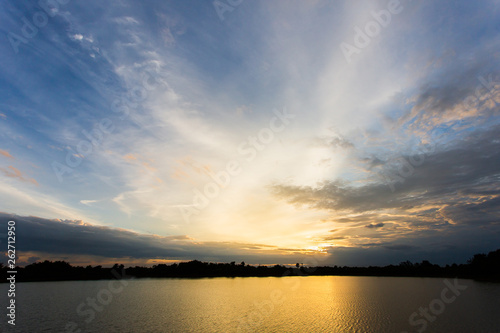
[5, 153]
[334, 142]
[126, 20]
[13, 172]
[87, 202]
[129, 157]
[340, 142]
[372, 226]
[451, 195]
[447, 176]
[399, 247]
[461, 97]
[77, 238]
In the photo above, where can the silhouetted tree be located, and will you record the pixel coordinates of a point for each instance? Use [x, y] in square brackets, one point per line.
[478, 259]
[480, 266]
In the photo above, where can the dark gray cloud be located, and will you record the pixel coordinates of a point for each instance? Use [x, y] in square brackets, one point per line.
[41, 239]
[484, 212]
[382, 255]
[399, 247]
[457, 89]
[334, 141]
[374, 226]
[340, 142]
[69, 238]
[373, 162]
[450, 177]
[439, 97]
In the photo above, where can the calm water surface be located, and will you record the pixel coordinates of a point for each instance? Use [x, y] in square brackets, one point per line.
[289, 304]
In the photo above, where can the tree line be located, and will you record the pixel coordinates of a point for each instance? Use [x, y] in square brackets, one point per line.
[480, 266]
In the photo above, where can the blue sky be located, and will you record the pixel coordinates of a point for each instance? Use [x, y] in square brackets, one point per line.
[250, 133]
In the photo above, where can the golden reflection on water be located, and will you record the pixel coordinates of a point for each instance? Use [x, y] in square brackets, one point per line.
[292, 304]
[284, 304]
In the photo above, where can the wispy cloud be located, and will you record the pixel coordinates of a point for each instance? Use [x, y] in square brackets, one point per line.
[13, 172]
[5, 153]
[88, 202]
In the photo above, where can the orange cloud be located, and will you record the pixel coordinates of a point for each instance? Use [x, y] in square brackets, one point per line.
[16, 173]
[6, 153]
[130, 157]
[148, 167]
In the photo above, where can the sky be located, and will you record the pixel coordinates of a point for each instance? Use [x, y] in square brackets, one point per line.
[270, 132]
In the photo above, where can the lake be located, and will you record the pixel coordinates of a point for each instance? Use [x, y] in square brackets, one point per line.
[270, 304]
